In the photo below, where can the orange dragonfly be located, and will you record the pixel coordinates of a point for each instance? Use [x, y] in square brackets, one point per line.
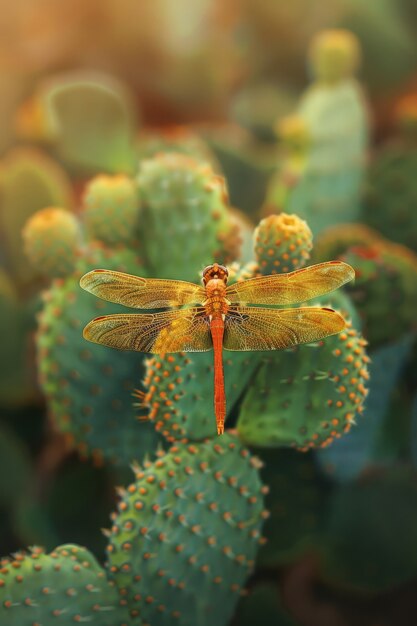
[214, 315]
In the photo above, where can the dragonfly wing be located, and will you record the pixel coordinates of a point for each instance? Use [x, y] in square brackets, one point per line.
[248, 328]
[293, 287]
[141, 293]
[185, 330]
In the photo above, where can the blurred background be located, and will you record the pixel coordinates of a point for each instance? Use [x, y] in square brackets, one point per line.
[307, 108]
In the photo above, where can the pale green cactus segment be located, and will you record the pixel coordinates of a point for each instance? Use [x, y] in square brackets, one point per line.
[111, 210]
[186, 533]
[52, 241]
[185, 220]
[29, 181]
[66, 586]
[87, 118]
[308, 396]
[334, 55]
[89, 388]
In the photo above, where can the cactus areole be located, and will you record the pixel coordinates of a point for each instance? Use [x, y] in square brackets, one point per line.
[216, 316]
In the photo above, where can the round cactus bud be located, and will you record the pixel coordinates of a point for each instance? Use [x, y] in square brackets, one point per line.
[111, 209]
[52, 240]
[282, 243]
[334, 55]
[293, 132]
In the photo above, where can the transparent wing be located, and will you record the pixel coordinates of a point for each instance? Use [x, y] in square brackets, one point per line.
[141, 293]
[293, 287]
[248, 328]
[185, 330]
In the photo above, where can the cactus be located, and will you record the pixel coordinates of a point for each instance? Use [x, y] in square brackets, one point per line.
[180, 391]
[29, 181]
[186, 533]
[391, 188]
[282, 243]
[111, 210]
[52, 241]
[385, 290]
[67, 586]
[89, 389]
[86, 118]
[320, 391]
[336, 240]
[262, 605]
[321, 178]
[368, 545]
[184, 207]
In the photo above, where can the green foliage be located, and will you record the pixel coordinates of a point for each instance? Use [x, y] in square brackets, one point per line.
[186, 533]
[184, 208]
[89, 388]
[66, 586]
[111, 210]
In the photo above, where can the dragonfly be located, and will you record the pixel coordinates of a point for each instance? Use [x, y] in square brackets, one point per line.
[215, 315]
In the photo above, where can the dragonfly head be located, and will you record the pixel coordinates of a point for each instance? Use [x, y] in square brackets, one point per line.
[215, 271]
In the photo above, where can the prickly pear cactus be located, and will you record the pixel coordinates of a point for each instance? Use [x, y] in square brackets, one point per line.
[29, 181]
[66, 586]
[389, 203]
[186, 533]
[282, 243]
[385, 290]
[334, 241]
[324, 188]
[184, 207]
[308, 397]
[89, 388]
[111, 210]
[52, 241]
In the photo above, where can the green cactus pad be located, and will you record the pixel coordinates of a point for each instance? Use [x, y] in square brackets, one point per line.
[186, 533]
[111, 210]
[371, 532]
[307, 396]
[335, 241]
[87, 118]
[282, 243]
[66, 586]
[52, 241]
[184, 216]
[29, 181]
[89, 388]
[181, 391]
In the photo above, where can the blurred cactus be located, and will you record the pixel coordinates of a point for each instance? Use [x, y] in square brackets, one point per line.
[389, 203]
[29, 181]
[52, 241]
[111, 210]
[184, 207]
[262, 604]
[186, 533]
[321, 177]
[89, 388]
[87, 120]
[66, 585]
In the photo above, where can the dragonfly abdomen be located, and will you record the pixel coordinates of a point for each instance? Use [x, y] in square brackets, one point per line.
[217, 331]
